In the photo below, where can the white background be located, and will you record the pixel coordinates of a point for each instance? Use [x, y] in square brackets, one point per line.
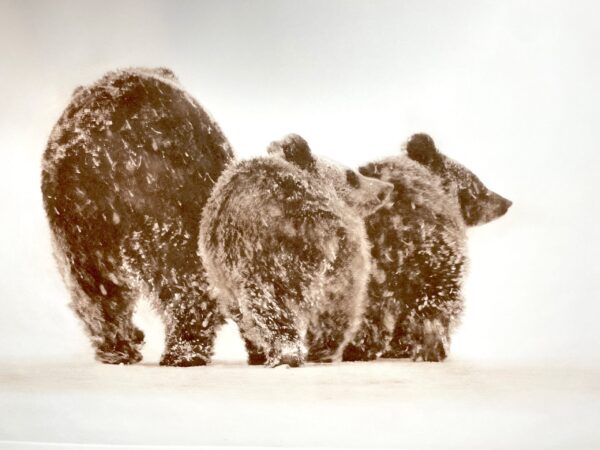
[509, 89]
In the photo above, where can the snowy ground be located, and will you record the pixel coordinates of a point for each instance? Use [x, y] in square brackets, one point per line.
[388, 403]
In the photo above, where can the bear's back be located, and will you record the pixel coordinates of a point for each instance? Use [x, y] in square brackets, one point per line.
[131, 149]
[266, 211]
[416, 188]
[418, 241]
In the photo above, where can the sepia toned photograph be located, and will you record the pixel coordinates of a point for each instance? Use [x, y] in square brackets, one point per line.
[299, 224]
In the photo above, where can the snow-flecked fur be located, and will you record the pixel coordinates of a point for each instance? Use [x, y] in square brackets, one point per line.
[126, 173]
[286, 252]
[419, 253]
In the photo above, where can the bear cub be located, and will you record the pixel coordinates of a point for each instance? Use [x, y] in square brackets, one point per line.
[419, 253]
[285, 249]
[126, 173]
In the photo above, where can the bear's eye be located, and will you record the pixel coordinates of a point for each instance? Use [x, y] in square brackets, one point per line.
[352, 179]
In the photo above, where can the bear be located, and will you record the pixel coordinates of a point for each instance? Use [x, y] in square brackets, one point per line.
[126, 172]
[419, 253]
[283, 241]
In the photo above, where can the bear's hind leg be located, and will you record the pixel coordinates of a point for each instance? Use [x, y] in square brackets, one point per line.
[106, 309]
[374, 334]
[334, 329]
[269, 323]
[192, 318]
[326, 336]
[432, 306]
[256, 357]
[364, 347]
[401, 344]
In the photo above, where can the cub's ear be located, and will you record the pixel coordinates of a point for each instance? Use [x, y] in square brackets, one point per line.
[294, 149]
[421, 148]
[370, 170]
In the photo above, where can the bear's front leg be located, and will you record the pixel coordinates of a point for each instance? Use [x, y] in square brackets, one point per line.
[435, 341]
[363, 348]
[192, 319]
[420, 338]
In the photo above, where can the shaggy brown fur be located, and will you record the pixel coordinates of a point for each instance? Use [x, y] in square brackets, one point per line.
[284, 245]
[419, 253]
[126, 172]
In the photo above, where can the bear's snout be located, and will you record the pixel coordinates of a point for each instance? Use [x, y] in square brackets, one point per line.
[503, 205]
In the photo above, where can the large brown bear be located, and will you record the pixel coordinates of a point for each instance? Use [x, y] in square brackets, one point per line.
[419, 253]
[126, 173]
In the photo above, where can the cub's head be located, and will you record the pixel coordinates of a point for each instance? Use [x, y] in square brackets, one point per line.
[478, 204]
[363, 194]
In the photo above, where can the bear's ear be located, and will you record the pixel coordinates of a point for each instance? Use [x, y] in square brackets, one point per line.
[421, 148]
[77, 90]
[294, 149]
[166, 73]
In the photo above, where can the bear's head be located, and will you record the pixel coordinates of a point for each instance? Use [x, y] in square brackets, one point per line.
[363, 194]
[478, 204]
